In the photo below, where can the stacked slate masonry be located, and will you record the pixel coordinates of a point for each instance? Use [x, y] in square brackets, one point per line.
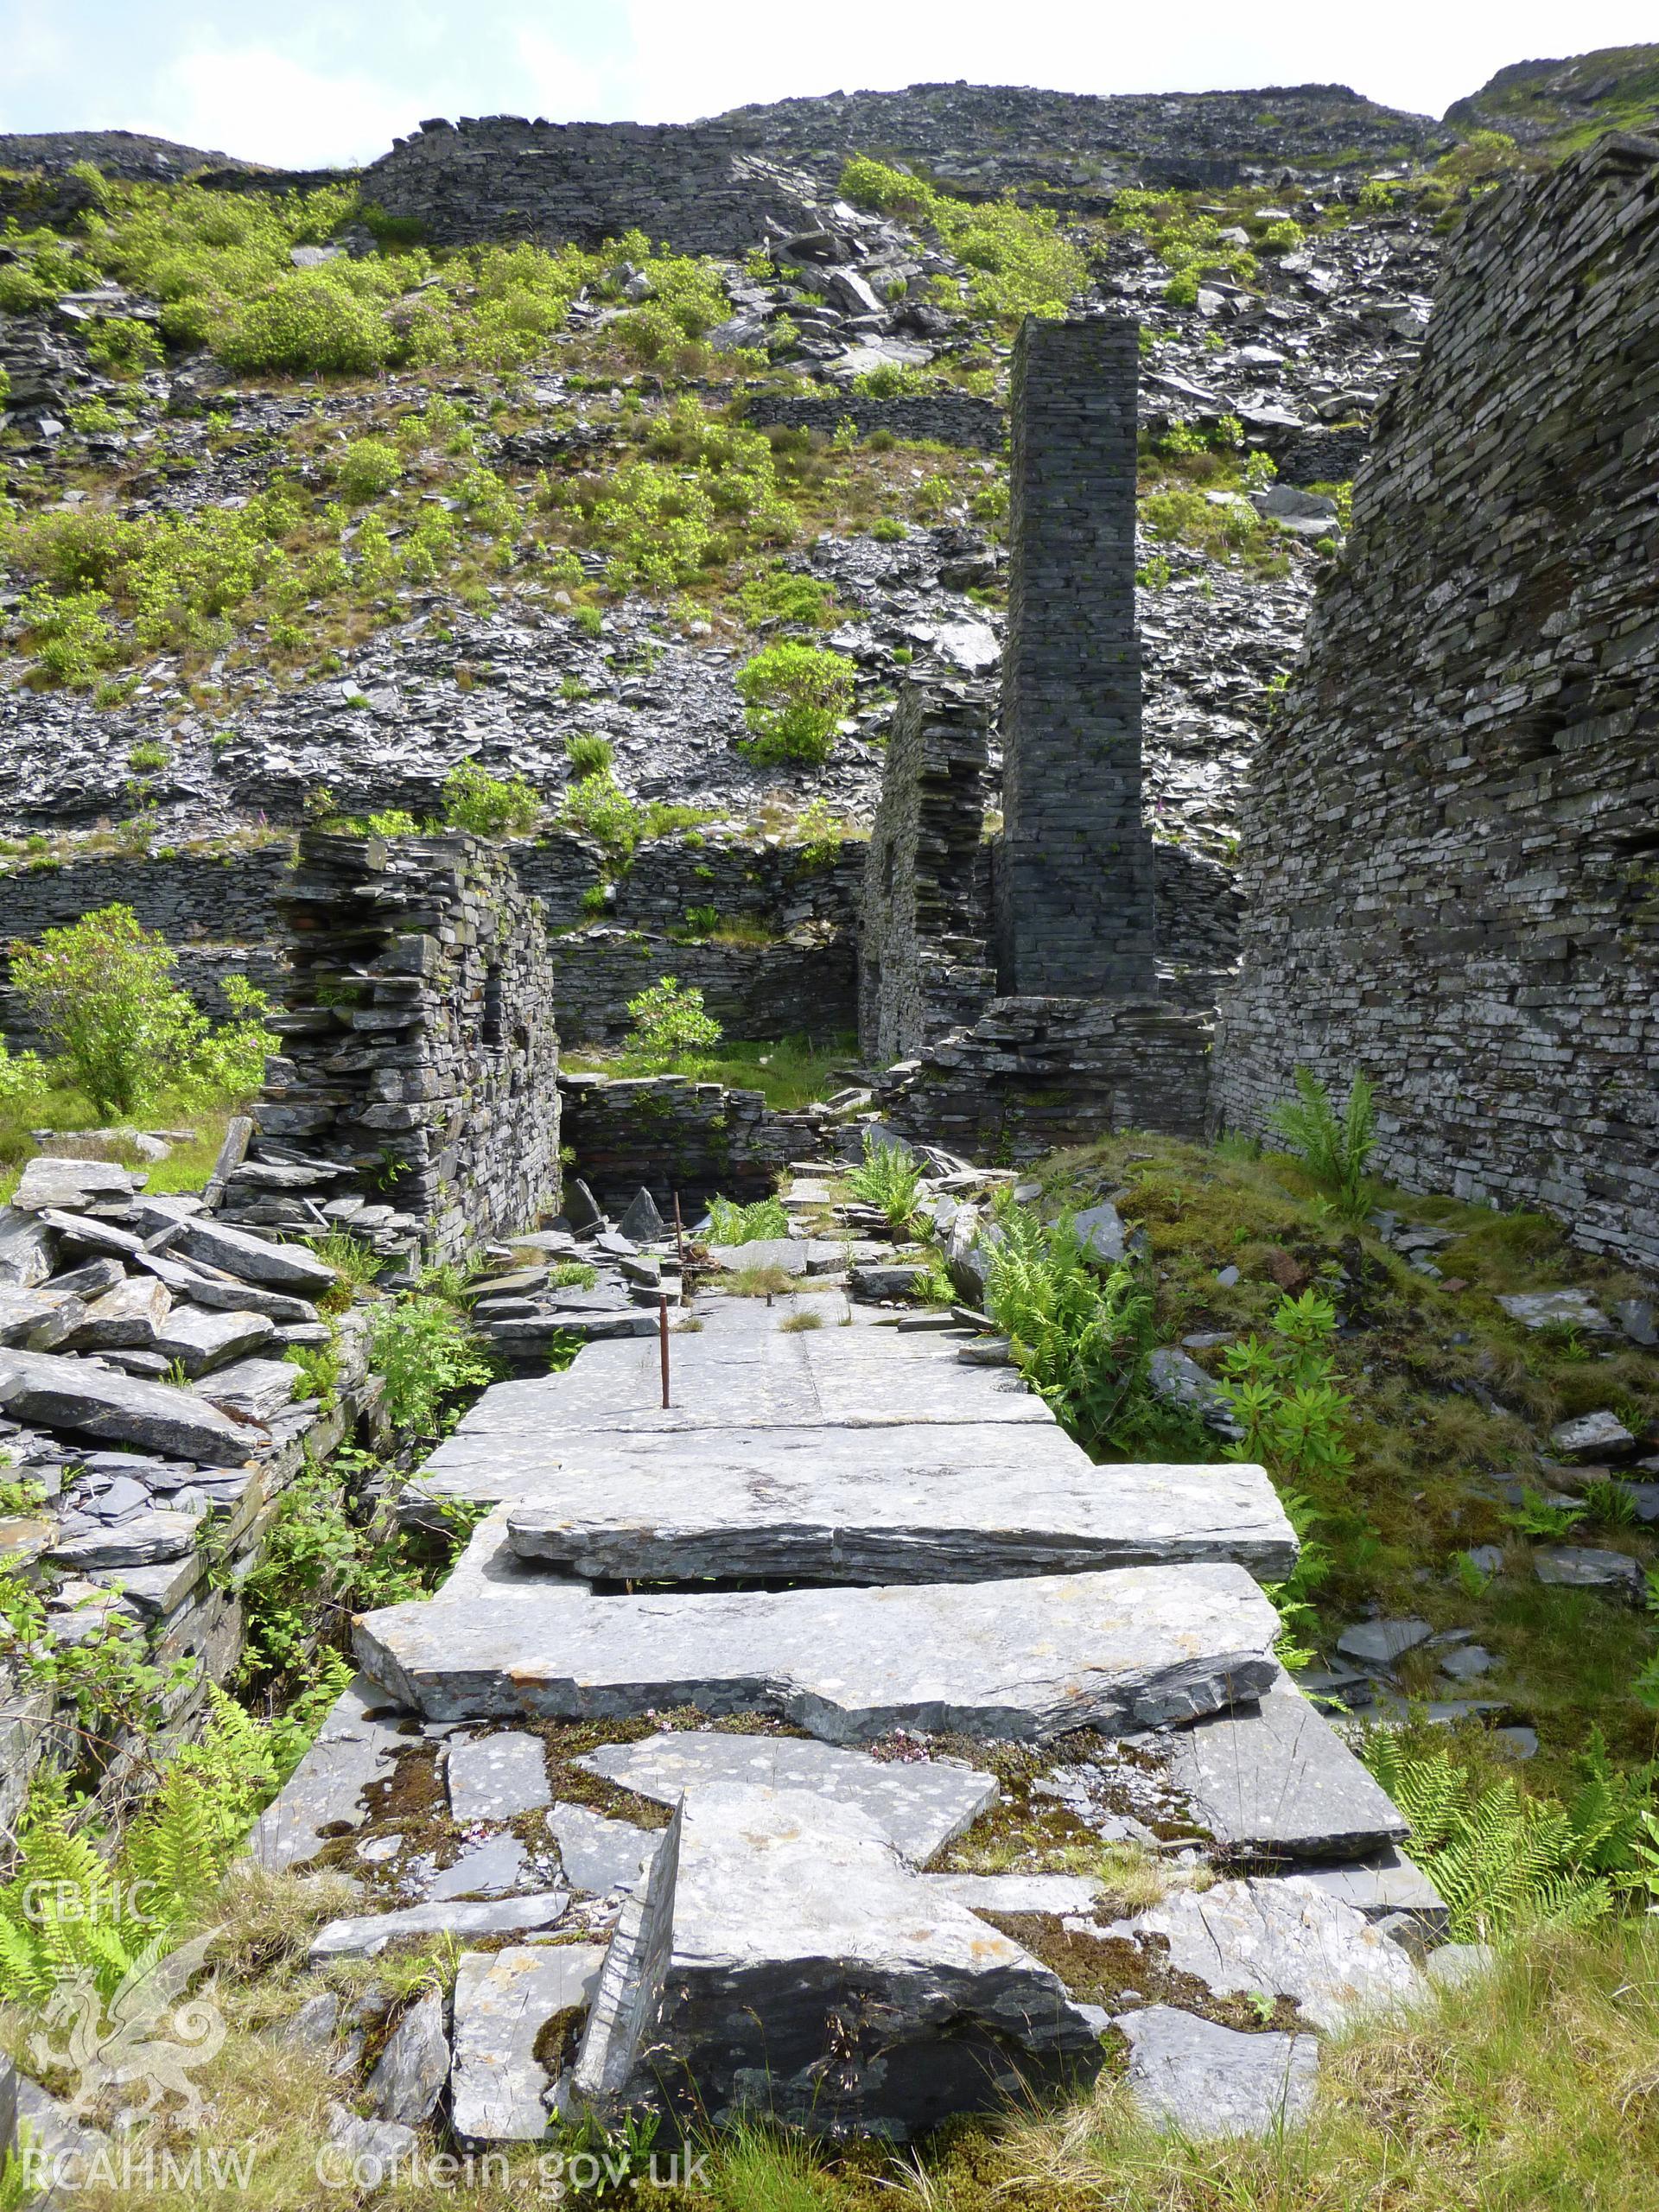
[416, 1098]
[1074, 879]
[1451, 865]
[1095, 1025]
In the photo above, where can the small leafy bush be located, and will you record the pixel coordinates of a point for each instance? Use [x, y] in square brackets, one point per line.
[1336, 1146]
[490, 806]
[306, 323]
[1286, 1395]
[589, 755]
[425, 1353]
[367, 468]
[102, 991]
[124, 347]
[667, 1020]
[793, 695]
[596, 806]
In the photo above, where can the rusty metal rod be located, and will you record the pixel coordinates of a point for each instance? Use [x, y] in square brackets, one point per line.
[662, 1339]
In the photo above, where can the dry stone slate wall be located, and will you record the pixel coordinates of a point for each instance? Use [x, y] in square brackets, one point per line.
[1074, 878]
[952, 419]
[417, 1091]
[672, 1133]
[502, 177]
[1451, 873]
[924, 962]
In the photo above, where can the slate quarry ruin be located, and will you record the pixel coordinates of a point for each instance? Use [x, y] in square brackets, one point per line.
[1450, 864]
[1074, 1032]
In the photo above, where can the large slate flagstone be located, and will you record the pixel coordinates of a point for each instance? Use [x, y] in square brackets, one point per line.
[919, 1805]
[1137, 1648]
[925, 1504]
[1275, 1777]
[54, 1391]
[492, 1777]
[809, 1971]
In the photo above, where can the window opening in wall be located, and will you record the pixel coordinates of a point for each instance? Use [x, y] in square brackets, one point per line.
[494, 1035]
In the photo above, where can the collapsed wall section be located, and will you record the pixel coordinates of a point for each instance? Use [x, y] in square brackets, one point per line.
[923, 958]
[1452, 863]
[417, 1096]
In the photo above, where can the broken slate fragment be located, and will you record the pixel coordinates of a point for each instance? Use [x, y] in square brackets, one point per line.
[365, 1935]
[1556, 1309]
[409, 2076]
[918, 1806]
[1598, 1436]
[492, 1777]
[1574, 1566]
[56, 1391]
[71, 1184]
[1379, 1644]
[1195, 2078]
[597, 1855]
[500, 2088]
[1284, 1935]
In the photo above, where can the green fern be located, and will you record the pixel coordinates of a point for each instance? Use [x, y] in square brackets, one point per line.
[1336, 1146]
[732, 1224]
[1504, 1860]
[1082, 1338]
[889, 1177]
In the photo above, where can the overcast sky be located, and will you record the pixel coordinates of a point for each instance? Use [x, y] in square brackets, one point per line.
[317, 81]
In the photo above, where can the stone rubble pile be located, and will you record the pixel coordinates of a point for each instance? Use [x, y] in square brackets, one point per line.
[146, 1407]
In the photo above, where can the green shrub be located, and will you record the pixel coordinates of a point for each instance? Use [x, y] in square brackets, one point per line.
[425, 1354]
[69, 637]
[367, 468]
[1018, 260]
[1287, 1396]
[792, 696]
[596, 806]
[123, 347]
[894, 380]
[887, 529]
[490, 806]
[1336, 1147]
[307, 323]
[666, 1021]
[101, 991]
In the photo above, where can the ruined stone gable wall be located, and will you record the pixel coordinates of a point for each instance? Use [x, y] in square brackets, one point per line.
[1451, 867]
[420, 1054]
[501, 178]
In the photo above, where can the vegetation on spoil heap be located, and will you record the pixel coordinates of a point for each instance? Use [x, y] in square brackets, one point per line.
[793, 695]
[1017, 259]
[790, 1073]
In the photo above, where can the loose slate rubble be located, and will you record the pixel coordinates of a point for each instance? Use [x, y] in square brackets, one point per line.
[1027, 1659]
[1195, 2078]
[918, 1806]
[798, 1939]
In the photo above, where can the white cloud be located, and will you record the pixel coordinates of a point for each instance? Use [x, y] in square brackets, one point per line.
[553, 83]
[259, 104]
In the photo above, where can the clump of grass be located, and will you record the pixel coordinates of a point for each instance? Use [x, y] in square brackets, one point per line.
[792, 1324]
